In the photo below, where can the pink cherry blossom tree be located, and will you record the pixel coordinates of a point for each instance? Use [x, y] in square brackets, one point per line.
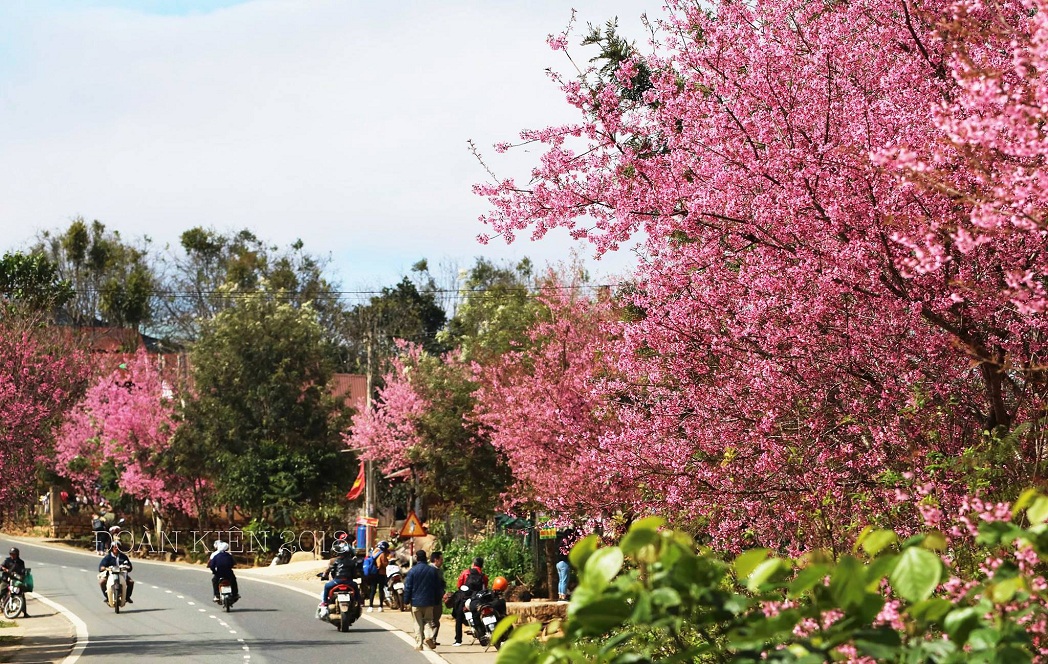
[541, 406]
[821, 319]
[128, 418]
[38, 382]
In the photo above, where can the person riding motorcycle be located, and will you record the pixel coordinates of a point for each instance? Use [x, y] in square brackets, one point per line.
[15, 566]
[115, 558]
[221, 565]
[343, 568]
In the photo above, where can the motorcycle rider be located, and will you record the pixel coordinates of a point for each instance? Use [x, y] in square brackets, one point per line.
[221, 565]
[343, 568]
[115, 557]
[15, 566]
[474, 578]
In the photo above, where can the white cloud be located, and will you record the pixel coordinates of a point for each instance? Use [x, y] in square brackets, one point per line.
[341, 123]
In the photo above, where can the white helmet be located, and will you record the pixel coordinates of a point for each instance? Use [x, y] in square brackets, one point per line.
[221, 546]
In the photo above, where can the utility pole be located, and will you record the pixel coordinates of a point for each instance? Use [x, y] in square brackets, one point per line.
[369, 474]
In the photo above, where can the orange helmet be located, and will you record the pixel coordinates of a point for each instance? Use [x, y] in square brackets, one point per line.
[499, 583]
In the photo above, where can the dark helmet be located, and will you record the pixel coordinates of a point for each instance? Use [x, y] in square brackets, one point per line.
[13, 551]
[340, 546]
[384, 545]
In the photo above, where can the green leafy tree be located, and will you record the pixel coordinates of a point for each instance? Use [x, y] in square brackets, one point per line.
[460, 469]
[407, 311]
[30, 284]
[496, 312]
[262, 424]
[113, 282]
[211, 270]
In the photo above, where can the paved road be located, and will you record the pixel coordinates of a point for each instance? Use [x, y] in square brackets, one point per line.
[173, 616]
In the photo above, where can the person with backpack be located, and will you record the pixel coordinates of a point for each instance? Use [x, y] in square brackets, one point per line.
[475, 580]
[375, 575]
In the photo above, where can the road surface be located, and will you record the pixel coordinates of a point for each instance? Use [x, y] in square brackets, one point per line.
[173, 617]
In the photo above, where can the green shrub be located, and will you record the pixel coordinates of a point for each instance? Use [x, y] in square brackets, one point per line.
[658, 597]
[503, 556]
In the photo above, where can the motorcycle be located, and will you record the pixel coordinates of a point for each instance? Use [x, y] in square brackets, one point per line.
[225, 594]
[13, 599]
[395, 587]
[343, 607]
[116, 585]
[483, 610]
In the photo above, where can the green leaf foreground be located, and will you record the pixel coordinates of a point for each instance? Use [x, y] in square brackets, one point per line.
[658, 597]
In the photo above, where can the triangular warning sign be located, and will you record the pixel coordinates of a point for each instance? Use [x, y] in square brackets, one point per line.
[412, 527]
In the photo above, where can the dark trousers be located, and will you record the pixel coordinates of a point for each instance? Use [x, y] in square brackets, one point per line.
[376, 583]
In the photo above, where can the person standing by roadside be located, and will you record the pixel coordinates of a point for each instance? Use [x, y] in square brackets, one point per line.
[437, 560]
[376, 575]
[98, 527]
[563, 574]
[424, 591]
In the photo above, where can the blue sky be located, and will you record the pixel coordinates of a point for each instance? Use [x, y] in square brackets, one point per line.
[340, 122]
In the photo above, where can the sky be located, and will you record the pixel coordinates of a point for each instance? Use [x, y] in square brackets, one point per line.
[342, 123]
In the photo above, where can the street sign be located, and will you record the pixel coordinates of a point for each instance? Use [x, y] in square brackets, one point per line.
[547, 533]
[367, 521]
[412, 527]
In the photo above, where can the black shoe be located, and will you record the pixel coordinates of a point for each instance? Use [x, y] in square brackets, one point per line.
[130, 601]
[25, 615]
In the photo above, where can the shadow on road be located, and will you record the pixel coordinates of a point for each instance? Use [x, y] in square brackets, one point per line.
[143, 650]
[43, 649]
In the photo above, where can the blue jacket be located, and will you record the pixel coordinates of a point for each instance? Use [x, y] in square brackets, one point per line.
[221, 564]
[424, 586]
[110, 559]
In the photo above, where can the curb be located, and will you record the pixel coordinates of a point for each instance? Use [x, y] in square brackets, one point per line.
[39, 638]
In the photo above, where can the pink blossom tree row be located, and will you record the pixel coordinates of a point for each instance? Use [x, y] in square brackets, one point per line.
[842, 291]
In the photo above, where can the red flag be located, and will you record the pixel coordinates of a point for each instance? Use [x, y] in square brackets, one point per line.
[358, 485]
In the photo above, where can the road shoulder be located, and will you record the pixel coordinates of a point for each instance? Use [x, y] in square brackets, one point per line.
[48, 636]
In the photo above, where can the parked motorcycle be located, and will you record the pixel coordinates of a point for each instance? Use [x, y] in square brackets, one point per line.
[483, 610]
[343, 607]
[13, 598]
[395, 587]
[116, 585]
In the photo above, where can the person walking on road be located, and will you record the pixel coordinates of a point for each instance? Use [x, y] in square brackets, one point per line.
[424, 591]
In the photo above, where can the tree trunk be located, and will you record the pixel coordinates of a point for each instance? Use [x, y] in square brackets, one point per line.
[550, 549]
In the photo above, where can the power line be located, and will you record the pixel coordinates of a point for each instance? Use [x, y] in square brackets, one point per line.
[446, 293]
